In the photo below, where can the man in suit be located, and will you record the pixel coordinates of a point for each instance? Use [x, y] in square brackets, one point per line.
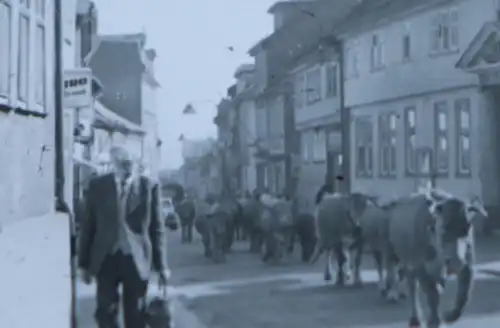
[122, 240]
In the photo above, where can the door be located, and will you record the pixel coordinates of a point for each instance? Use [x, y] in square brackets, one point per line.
[334, 167]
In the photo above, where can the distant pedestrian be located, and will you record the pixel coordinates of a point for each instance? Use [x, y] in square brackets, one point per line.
[187, 212]
[122, 240]
[326, 188]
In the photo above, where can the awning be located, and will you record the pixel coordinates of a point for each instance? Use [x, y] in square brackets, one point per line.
[83, 162]
[108, 120]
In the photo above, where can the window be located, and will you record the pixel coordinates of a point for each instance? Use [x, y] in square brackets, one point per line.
[377, 52]
[406, 46]
[410, 140]
[387, 145]
[319, 145]
[313, 86]
[441, 146]
[5, 41]
[40, 51]
[299, 90]
[23, 49]
[352, 62]
[463, 139]
[306, 149]
[444, 32]
[363, 141]
[331, 80]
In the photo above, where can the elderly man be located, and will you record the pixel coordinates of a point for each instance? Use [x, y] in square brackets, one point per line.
[122, 240]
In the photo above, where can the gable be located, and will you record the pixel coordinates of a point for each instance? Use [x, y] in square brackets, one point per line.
[483, 51]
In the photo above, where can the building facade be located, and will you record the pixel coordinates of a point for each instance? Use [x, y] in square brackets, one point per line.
[34, 237]
[247, 126]
[127, 110]
[416, 116]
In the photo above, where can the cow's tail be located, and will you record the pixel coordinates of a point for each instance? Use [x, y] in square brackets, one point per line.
[319, 249]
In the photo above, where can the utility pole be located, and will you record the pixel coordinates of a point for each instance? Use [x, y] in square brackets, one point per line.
[345, 118]
[61, 204]
[58, 107]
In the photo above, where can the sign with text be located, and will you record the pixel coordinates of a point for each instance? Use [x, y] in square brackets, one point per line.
[77, 88]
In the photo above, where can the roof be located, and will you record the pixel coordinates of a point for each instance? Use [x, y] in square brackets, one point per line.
[110, 120]
[244, 68]
[475, 45]
[372, 12]
[125, 48]
[322, 12]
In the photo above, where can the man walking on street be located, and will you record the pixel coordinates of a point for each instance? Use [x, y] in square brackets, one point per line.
[122, 239]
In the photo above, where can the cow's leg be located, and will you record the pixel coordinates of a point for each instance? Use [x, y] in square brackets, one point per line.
[190, 231]
[253, 240]
[208, 243]
[291, 240]
[268, 251]
[328, 265]
[183, 232]
[357, 256]
[402, 277]
[342, 259]
[392, 277]
[377, 256]
[230, 233]
[414, 321]
[430, 289]
[223, 249]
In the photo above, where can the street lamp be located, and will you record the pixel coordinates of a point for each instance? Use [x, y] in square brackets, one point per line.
[189, 110]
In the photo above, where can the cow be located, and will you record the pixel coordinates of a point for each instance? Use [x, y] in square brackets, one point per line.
[431, 236]
[251, 209]
[374, 228]
[338, 233]
[304, 230]
[277, 224]
[171, 218]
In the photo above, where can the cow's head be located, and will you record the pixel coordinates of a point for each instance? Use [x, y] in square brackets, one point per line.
[358, 203]
[452, 228]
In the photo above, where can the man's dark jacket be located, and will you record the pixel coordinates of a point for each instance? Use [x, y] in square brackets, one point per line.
[99, 229]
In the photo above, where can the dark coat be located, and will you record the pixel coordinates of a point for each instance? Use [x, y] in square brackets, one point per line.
[99, 229]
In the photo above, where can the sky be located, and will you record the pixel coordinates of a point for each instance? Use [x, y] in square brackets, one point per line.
[194, 64]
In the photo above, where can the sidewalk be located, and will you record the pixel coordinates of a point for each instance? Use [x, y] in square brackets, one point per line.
[34, 253]
[476, 322]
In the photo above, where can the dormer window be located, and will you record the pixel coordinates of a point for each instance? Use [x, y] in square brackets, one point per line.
[445, 31]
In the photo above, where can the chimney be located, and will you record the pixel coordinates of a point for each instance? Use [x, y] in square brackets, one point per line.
[283, 11]
[151, 54]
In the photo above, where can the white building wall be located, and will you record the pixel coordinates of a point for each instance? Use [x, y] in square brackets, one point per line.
[248, 118]
[32, 237]
[419, 81]
[151, 153]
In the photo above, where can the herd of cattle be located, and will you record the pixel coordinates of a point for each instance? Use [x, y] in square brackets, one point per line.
[417, 241]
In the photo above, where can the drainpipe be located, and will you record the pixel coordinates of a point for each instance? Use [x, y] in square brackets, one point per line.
[58, 107]
[61, 204]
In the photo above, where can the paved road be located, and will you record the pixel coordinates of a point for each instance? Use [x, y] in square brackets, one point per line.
[245, 293]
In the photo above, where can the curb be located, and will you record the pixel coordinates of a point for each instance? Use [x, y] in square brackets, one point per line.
[184, 318]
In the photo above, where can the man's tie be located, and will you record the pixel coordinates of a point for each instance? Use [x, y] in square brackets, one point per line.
[123, 189]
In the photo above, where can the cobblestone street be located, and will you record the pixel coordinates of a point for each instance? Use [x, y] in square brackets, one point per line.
[246, 293]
